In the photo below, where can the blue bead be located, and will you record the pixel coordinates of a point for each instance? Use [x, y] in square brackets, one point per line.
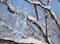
[21, 16]
[21, 25]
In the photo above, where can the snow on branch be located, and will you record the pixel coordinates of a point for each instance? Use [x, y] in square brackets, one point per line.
[32, 19]
[31, 40]
[28, 40]
[48, 8]
[38, 3]
[9, 5]
[54, 17]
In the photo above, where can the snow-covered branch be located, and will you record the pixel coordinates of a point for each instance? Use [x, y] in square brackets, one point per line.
[31, 40]
[38, 3]
[32, 19]
[48, 8]
[28, 40]
[54, 17]
[9, 5]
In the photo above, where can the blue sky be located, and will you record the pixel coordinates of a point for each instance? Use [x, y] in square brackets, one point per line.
[55, 6]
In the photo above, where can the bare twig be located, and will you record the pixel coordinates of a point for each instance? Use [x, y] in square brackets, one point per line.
[46, 16]
[36, 12]
[46, 26]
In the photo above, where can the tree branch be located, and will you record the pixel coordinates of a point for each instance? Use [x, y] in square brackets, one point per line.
[36, 12]
[48, 8]
[39, 4]
[39, 27]
[9, 5]
[31, 40]
[54, 17]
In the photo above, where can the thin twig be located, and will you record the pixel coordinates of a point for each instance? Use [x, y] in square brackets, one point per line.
[36, 12]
